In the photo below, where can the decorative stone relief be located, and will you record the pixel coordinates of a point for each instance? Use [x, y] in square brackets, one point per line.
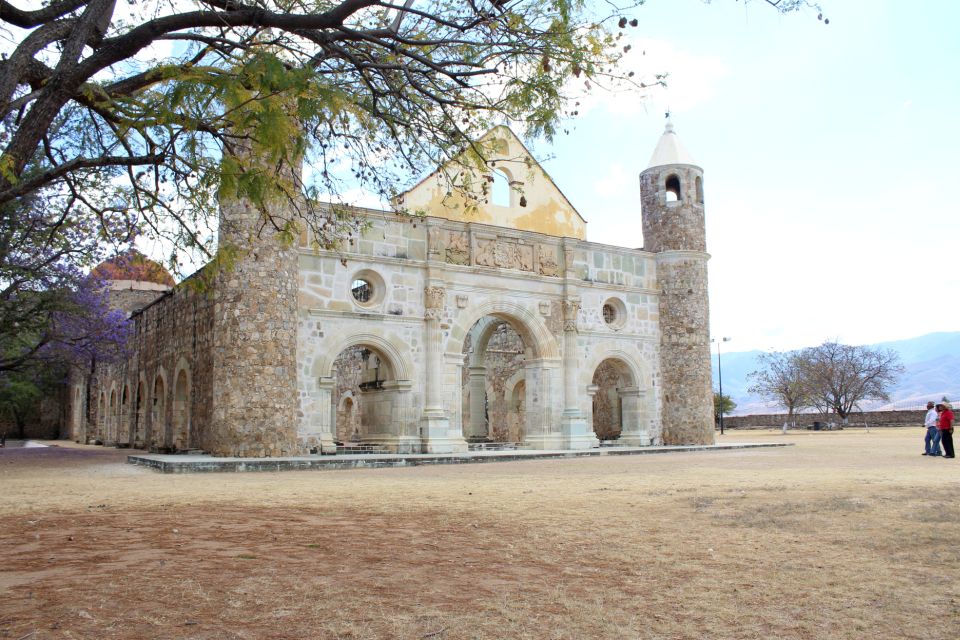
[544, 308]
[462, 302]
[525, 256]
[486, 253]
[505, 254]
[548, 261]
[457, 251]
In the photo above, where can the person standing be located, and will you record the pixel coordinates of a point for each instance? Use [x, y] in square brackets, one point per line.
[945, 423]
[931, 439]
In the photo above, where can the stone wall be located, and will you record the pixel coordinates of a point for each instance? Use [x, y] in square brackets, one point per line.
[872, 418]
[160, 396]
[482, 274]
[676, 231]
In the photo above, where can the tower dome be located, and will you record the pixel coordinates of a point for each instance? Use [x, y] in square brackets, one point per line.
[670, 150]
[132, 265]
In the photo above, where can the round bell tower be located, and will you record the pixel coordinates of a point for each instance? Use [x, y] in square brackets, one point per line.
[671, 191]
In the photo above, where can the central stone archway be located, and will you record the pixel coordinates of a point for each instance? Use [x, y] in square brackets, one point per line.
[494, 355]
[539, 363]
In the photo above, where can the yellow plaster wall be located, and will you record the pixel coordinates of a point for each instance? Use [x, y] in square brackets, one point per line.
[546, 209]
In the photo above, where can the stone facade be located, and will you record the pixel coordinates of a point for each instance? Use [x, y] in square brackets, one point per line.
[427, 332]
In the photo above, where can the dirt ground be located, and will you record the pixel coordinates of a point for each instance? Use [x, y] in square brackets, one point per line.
[844, 535]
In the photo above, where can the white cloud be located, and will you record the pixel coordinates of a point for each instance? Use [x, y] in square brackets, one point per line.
[691, 79]
[617, 182]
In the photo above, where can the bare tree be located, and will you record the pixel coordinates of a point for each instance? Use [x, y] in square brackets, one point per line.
[838, 377]
[781, 380]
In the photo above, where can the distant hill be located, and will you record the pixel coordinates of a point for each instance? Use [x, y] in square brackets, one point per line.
[932, 364]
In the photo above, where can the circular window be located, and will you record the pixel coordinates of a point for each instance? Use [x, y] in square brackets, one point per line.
[366, 288]
[614, 313]
[361, 290]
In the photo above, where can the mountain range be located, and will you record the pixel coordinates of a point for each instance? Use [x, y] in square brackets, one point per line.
[931, 371]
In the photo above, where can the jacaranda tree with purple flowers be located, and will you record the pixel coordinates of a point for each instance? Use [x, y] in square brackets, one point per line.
[53, 314]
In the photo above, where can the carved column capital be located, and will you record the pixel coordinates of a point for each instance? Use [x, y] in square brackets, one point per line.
[433, 298]
[571, 309]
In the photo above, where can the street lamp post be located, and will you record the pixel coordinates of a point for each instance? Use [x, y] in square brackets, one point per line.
[720, 378]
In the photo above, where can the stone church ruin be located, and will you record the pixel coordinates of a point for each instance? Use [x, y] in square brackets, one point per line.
[499, 325]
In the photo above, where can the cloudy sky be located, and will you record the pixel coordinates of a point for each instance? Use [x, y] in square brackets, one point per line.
[830, 155]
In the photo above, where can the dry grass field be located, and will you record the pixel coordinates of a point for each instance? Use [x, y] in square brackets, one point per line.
[844, 535]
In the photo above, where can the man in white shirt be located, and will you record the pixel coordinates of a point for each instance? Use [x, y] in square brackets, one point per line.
[931, 441]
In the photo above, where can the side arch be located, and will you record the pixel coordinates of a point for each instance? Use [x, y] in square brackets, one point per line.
[640, 374]
[638, 413]
[159, 389]
[180, 425]
[399, 362]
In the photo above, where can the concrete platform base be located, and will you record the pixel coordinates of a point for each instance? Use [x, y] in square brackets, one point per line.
[205, 463]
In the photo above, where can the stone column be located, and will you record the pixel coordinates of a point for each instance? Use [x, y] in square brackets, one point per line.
[477, 431]
[544, 399]
[435, 429]
[575, 429]
[322, 422]
[633, 431]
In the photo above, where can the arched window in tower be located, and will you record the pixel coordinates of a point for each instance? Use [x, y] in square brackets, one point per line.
[499, 188]
[673, 188]
[699, 189]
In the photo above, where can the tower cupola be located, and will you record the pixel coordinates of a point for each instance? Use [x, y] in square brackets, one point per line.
[671, 190]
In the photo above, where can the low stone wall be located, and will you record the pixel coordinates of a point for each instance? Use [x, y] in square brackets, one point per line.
[872, 419]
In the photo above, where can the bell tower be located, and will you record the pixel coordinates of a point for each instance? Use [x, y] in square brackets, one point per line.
[671, 189]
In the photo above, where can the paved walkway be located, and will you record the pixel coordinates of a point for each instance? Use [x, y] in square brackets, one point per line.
[177, 463]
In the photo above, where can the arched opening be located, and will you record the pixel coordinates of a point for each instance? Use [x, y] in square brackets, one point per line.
[181, 412]
[158, 414]
[111, 437]
[517, 415]
[371, 407]
[672, 187]
[699, 189]
[101, 417]
[123, 428]
[499, 185]
[493, 373]
[77, 415]
[612, 381]
[348, 419]
[140, 418]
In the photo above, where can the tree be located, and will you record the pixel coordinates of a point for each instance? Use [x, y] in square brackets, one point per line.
[128, 114]
[49, 307]
[838, 377]
[722, 403]
[781, 379]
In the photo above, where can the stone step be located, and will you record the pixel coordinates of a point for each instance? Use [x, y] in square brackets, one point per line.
[612, 443]
[498, 446]
[355, 449]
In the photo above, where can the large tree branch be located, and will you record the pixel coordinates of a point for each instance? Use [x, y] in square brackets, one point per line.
[60, 170]
[29, 19]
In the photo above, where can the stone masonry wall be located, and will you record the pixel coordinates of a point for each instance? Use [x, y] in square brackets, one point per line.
[254, 340]
[170, 336]
[677, 232]
[872, 418]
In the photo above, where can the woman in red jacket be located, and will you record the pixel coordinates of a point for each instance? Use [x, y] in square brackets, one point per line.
[945, 424]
